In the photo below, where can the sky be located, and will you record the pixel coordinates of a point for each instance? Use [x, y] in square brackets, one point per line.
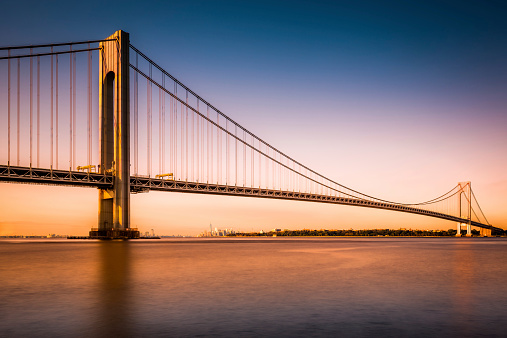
[399, 100]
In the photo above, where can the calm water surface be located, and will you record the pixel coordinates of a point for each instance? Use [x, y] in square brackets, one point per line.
[366, 287]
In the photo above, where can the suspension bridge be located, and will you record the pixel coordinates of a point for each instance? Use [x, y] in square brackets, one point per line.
[145, 130]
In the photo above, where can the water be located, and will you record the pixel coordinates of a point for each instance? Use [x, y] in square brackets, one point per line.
[348, 287]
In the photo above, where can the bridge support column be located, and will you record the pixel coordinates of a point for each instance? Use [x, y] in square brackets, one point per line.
[458, 232]
[114, 138]
[469, 230]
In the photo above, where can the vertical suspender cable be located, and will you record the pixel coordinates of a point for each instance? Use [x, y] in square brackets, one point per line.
[88, 124]
[174, 128]
[287, 176]
[236, 156]
[89, 160]
[174, 133]
[202, 150]
[191, 143]
[74, 129]
[294, 176]
[136, 119]
[274, 170]
[160, 131]
[260, 164]
[9, 109]
[31, 104]
[210, 142]
[218, 145]
[18, 113]
[227, 151]
[269, 164]
[38, 110]
[244, 157]
[273, 167]
[252, 162]
[148, 130]
[148, 127]
[198, 146]
[210, 127]
[221, 154]
[70, 109]
[197, 167]
[306, 182]
[172, 121]
[182, 141]
[51, 128]
[291, 177]
[174, 140]
[290, 180]
[219, 151]
[186, 137]
[267, 167]
[207, 145]
[178, 145]
[163, 124]
[56, 112]
[281, 174]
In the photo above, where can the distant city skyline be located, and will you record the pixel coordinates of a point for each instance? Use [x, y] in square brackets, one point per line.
[397, 100]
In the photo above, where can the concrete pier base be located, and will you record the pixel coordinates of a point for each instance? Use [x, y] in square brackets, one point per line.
[114, 234]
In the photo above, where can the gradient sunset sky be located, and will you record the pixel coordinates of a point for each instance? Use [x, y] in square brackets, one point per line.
[397, 99]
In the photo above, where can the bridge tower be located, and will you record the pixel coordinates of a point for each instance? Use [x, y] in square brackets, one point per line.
[114, 138]
[465, 202]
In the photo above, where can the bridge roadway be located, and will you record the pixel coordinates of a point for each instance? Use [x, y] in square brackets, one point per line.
[140, 184]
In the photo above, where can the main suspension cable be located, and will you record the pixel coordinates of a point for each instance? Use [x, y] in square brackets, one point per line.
[473, 195]
[258, 150]
[324, 178]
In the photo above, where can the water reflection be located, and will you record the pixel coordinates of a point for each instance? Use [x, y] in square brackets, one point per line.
[464, 289]
[114, 289]
[305, 287]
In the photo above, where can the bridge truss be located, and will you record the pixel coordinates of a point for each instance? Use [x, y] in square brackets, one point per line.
[145, 184]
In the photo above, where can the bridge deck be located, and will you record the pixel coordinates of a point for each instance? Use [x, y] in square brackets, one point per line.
[144, 184]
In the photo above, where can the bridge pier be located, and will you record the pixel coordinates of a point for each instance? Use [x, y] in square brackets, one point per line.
[485, 232]
[114, 139]
[468, 228]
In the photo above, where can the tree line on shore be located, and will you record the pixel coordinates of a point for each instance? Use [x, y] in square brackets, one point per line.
[366, 232]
